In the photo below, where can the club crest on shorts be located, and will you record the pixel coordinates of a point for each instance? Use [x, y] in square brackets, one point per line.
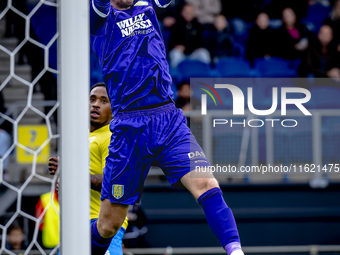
[117, 191]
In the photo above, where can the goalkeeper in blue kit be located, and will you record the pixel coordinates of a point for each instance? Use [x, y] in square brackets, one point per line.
[147, 129]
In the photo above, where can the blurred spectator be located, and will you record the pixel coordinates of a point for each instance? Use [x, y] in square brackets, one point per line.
[50, 226]
[334, 22]
[5, 138]
[186, 39]
[172, 10]
[241, 14]
[274, 7]
[322, 2]
[184, 94]
[243, 9]
[167, 23]
[292, 37]
[261, 39]
[322, 58]
[168, 18]
[169, 15]
[206, 10]
[219, 39]
[15, 238]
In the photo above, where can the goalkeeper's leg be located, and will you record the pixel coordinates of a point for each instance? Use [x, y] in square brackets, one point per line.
[111, 218]
[219, 216]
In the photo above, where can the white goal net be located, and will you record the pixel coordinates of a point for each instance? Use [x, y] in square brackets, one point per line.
[30, 62]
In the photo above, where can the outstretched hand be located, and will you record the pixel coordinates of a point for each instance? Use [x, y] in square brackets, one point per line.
[53, 165]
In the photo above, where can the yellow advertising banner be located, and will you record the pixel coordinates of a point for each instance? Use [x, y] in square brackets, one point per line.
[32, 137]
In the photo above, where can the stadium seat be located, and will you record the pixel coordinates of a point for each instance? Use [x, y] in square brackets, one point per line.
[239, 50]
[263, 90]
[325, 97]
[234, 67]
[271, 64]
[316, 15]
[274, 68]
[193, 69]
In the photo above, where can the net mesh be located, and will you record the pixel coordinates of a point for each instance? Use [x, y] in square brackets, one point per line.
[28, 119]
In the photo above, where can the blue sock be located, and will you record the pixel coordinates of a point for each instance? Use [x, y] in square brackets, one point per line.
[99, 244]
[220, 219]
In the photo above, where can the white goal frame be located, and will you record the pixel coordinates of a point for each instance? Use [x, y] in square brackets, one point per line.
[74, 117]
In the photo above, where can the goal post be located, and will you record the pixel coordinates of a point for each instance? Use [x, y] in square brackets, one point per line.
[74, 92]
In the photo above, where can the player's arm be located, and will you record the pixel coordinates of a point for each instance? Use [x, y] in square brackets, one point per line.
[96, 182]
[101, 7]
[162, 3]
[99, 11]
[53, 163]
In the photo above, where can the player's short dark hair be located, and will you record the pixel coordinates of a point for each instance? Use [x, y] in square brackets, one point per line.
[100, 84]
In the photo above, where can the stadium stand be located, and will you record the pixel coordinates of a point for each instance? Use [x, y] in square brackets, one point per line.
[234, 68]
[292, 208]
[325, 97]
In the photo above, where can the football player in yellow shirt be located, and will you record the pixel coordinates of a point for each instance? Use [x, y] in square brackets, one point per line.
[99, 140]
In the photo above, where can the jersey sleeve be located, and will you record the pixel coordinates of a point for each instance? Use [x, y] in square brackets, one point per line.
[101, 7]
[99, 11]
[162, 3]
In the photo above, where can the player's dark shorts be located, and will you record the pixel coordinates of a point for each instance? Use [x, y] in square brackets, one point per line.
[143, 138]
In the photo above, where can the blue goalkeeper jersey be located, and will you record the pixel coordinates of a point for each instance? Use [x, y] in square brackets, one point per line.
[130, 48]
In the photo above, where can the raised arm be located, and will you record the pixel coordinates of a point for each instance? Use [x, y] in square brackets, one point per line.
[162, 3]
[99, 11]
[101, 7]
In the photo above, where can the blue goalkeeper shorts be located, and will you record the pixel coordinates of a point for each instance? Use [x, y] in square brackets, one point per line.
[143, 138]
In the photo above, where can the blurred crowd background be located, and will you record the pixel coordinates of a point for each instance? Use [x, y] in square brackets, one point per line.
[305, 32]
[203, 38]
[249, 38]
[214, 38]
